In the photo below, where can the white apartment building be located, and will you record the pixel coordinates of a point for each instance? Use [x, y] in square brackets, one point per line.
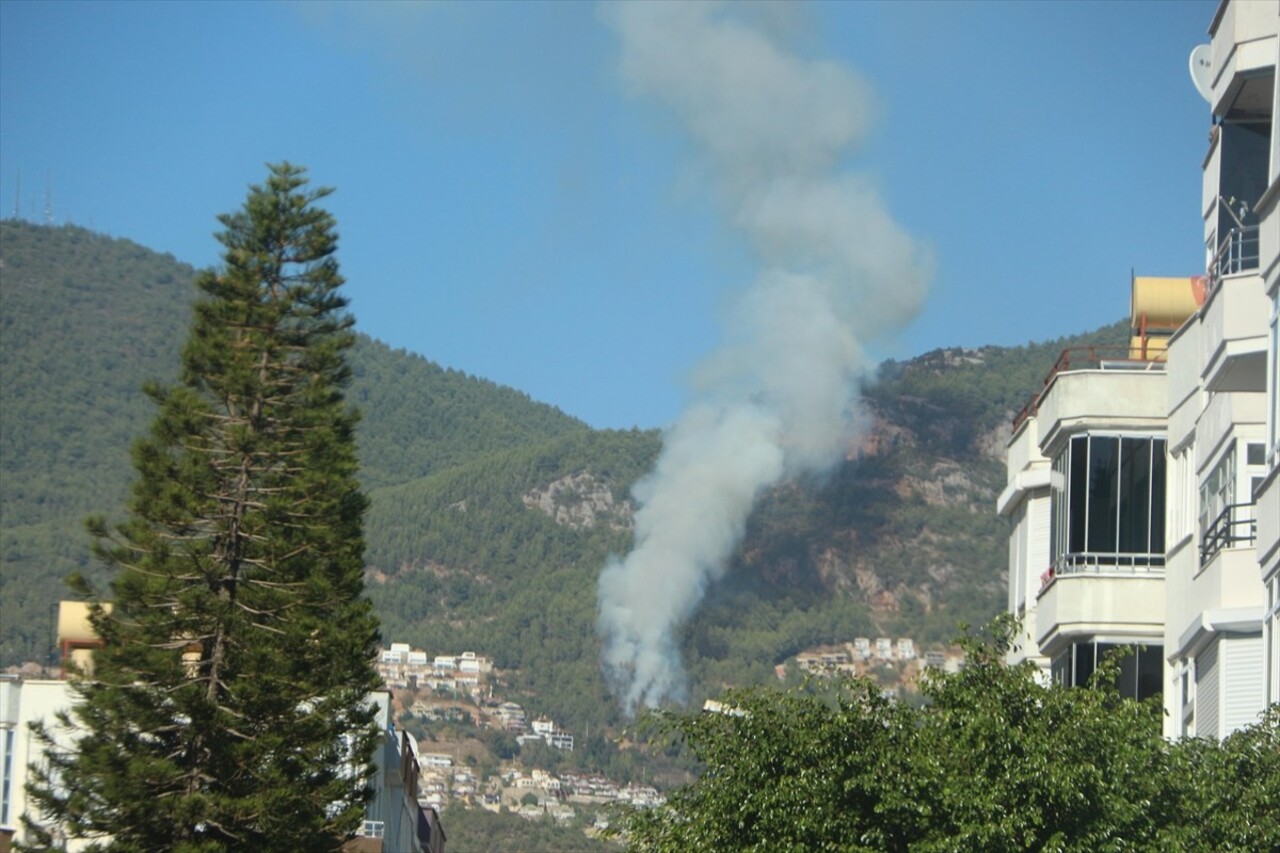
[394, 819]
[1205, 592]
[1086, 498]
[1255, 33]
[24, 701]
[1225, 512]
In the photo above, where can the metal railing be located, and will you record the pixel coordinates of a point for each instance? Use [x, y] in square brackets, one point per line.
[1237, 524]
[1237, 253]
[1099, 563]
[1112, 357]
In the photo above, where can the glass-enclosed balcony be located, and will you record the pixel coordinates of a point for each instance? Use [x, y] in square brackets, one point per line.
[1108, 497]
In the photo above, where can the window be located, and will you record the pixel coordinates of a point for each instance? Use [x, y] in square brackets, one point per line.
[1273, 383]
[1188, 701]
[7, 782]
[1182, 510]
[1217, 491]
[1255, 453]
[1108, 502]
[1271, 640]
[1141, 668]
[1227, 512]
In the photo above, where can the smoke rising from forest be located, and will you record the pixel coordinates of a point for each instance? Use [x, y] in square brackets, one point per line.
[780, 397]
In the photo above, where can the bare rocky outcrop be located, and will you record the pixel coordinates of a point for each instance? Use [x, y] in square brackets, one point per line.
[580, 501]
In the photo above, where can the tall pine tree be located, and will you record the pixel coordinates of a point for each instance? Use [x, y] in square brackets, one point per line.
[226, 708]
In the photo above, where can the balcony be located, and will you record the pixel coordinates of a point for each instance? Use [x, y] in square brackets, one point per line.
[1234, 317]
[1243, 43]
[1226, 416]
[1237, 254]
[1235, 526]
[1268, 544]
[1077, 362]
[1089, 563]
[1129, 605]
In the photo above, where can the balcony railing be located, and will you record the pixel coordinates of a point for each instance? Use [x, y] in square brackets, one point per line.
[1097, 563]
[1236, 525]
[1237, 253]
[1091, 358]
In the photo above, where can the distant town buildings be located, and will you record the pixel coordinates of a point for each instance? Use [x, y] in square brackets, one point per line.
[864, 653]
[402, 667]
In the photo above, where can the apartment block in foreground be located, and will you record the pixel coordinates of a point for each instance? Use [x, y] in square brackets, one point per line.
[1086, 498]
[1149, 487]
[1222, 417]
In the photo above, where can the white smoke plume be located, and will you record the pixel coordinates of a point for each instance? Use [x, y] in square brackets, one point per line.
[779, 398]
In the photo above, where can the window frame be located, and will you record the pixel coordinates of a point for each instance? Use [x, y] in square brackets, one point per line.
[1081, 502]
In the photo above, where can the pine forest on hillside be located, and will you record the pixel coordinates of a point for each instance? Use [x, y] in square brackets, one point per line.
[491, 514]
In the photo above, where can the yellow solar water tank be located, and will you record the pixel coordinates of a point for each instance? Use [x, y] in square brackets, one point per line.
[1158, 308]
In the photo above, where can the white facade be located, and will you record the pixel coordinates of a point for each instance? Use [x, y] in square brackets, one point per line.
[1223, 502]
[22, 702]
[1216, 601]
[1254, 34]
[1025, 502]
[393, 814]
[1085, 497]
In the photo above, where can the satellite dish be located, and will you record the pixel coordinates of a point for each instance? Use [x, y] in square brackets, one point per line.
[1202, 70]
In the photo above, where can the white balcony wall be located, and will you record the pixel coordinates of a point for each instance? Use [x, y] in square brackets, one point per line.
[1268, 514]
[1023, 452]
[1028, 560]
[1243, 41]
[1226, 417]
[1025, 502]
[1209, 192]
[1234, 335]
[1181, 567]
[1269, 224]
[1102, 400]
[1183, 384]
[1229, 581]
[1111, 608]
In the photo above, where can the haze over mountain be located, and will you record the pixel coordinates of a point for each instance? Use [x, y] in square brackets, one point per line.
[492, 514]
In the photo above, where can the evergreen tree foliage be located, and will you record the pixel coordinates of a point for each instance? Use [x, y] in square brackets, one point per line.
[226, 708]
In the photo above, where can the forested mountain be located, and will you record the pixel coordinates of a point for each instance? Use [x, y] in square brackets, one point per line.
[492, 514]
[84, 321]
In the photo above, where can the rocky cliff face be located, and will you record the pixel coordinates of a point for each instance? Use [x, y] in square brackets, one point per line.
[581, 500]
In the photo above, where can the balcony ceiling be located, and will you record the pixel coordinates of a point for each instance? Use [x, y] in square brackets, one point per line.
[1246, 372]
[1253, 100]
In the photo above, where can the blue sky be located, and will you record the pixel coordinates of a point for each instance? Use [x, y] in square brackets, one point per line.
[509, 209]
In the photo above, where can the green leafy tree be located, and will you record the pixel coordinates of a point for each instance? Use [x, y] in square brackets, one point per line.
[226, 709]
[992, 761]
